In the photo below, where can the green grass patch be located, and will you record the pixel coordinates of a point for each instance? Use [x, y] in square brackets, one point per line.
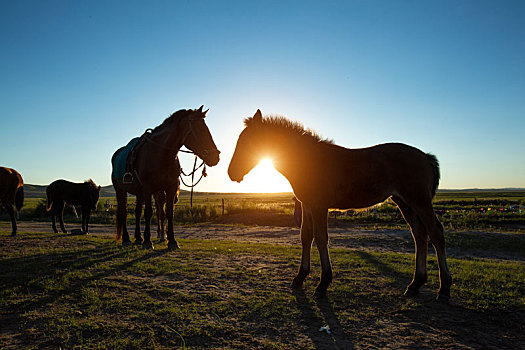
[79, 292]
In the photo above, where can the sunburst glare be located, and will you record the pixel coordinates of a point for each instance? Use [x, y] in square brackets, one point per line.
[264, 178]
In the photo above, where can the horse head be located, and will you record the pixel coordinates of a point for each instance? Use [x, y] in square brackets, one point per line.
[199, 139]
[247, 151]
[94, 195]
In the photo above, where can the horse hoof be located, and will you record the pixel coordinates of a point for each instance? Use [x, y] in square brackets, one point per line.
[138, 242]
[126, 243]
[410, 293]
[442, 298]
[173, 246]
[147, 246]
[13, 234]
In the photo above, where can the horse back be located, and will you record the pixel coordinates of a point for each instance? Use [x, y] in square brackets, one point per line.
[69, 192]
[10, 182]
[357, 178]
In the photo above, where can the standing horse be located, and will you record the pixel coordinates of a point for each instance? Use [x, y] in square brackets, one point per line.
[11, 193]
[84, 194]
[324, 175]
[157, 169]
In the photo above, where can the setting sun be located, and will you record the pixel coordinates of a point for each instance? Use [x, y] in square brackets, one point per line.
[264, 178]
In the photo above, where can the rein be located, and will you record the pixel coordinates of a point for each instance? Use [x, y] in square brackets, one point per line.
[193, 184]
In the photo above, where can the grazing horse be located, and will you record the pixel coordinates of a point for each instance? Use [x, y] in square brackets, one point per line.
[156, 169]
[85, 194]
[324, 175]
[11, 193]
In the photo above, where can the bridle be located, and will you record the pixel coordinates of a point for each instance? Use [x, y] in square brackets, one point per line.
[205, 152]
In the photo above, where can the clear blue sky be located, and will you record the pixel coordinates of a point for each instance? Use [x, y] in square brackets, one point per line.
[78, 79]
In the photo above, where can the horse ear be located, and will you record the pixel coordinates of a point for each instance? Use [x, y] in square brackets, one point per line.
[200, 109]
[99, 188]
[257, 116]
[206, 111]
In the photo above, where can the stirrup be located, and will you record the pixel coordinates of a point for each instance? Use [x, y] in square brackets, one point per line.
[127, 178]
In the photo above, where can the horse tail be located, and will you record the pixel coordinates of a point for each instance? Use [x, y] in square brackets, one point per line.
[19, 198]
[49, 200]
[434, 163]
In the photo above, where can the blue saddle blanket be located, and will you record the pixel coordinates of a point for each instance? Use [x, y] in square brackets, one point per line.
[119, 165]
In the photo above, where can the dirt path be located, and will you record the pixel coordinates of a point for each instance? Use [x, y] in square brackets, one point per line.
[340, 237]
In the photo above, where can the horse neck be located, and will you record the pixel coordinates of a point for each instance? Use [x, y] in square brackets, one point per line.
[171, 139]
[291, 156]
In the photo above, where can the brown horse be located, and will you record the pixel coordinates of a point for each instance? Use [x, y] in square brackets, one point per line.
[85, 194]
[157, 169]
[11, 193]
[324, 175]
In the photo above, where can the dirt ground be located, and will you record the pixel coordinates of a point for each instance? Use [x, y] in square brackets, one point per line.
[399, 241]
[386, 332]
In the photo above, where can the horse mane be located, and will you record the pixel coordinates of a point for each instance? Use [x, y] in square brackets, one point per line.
[282, 124]
[174, 116]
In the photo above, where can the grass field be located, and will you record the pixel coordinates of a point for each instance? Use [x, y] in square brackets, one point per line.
[87, 292]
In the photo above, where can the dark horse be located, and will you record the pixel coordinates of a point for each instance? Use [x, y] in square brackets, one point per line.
[84, 194]
[11, 193]
[324, 175]
[157, 169]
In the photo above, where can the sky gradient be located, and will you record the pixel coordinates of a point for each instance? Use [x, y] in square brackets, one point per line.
[80, 79]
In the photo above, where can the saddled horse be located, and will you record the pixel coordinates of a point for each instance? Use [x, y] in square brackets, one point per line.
[157, 169]
[11, 193]
[324, 175]
[60, 192]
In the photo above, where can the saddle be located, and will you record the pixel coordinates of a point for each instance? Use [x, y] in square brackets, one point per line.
[130, 175]
[124, 163]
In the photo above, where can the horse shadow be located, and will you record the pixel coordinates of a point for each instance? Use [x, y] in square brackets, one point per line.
[43, 267]
[462, 325]
[336, 339]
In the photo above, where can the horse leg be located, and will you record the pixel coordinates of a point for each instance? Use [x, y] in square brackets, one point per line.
[420, 236]
[138, 213]
[60, 214]
[11, 212]
[122, 213]
[53, 217]
[83, 227]
[445, 279]
[320, 229]
[148, 213]
[87, 215]
[161, 215]
[306, 243]
[170, 196]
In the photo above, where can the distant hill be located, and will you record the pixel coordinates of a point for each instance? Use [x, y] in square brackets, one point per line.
[39, 191]
[468, 190]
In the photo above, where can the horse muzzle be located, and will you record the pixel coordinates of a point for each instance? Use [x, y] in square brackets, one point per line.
[211, 158]
[235, 177]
